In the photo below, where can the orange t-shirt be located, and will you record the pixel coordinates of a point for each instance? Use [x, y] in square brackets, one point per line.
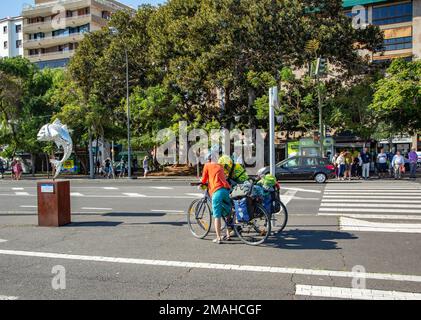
[214, 175]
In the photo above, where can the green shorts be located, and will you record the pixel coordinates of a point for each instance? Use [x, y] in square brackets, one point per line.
[221, 203]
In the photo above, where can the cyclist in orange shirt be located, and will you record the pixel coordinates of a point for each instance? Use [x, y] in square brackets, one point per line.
[218, 186]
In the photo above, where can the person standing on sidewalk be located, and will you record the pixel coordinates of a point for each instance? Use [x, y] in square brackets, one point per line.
[340, 162]
[382, 163]
[398, 165]
[145, 166]
[365, 157]
[413, 161]
[2, 169]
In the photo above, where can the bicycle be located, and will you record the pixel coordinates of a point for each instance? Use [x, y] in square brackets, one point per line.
[254, 232]
[279, 215]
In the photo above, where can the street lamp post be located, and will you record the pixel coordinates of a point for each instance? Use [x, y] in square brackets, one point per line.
[129, 145]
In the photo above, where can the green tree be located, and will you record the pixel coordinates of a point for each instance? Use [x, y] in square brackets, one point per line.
[397, 96]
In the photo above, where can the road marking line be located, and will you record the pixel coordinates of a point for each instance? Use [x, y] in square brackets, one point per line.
[3, 241]
[288, 196]
[169, 211]
[340, 201]
[28, 206]
[17, 189]
[217, 266]
[134, 195]
[370, 205]
[8, 298]
[101, 209]
[371, 216]
[340, 210]
[349, 224]
[22, 193]
[368, 197]
[301, 189]
[352, 293]
[199, 195]
[374, 193]
[110, 188]
[161, 188]
[76, 194]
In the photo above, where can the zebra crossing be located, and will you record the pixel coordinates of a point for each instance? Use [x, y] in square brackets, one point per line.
[381, 206]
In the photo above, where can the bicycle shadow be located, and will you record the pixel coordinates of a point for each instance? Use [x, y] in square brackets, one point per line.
[308, 239]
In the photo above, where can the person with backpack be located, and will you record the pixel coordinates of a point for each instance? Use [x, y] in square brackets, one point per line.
[219, 190]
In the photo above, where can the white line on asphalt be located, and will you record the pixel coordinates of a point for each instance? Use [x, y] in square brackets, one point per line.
[134, 195]
[287, 197]
[2, 240]
[371, 205]
[342, 200]
[17, 189]
[372, 216]
[161, 188]
[169, 211]
[368, 210]
[217, 266]
[28, 206]
[349, 224]
[76, 194]
[375, 190]
[110, 188]
[198, 195]
[301, 189]
[363, 193]
[353, 293]
[369, 197]
[8, 298]
[22, 193]
[100, 209]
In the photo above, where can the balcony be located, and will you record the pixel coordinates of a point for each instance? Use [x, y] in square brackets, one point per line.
[51, 56]
[52, 41]
[53, 7]
[54, 24]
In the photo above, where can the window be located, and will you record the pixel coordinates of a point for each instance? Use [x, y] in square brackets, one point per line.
[18, 43]
[397, 43]
[392, 14]
[5, 29]
[5, 45]
[18, 28]
[310, 162]
[291, 163]
[69, 14]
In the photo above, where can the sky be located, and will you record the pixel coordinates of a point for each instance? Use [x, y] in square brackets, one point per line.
[11, 8]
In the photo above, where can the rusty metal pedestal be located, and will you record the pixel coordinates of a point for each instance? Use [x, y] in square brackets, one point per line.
[53, 203]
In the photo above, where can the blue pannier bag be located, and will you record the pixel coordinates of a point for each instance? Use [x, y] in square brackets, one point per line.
[268, 203]
[241, 210]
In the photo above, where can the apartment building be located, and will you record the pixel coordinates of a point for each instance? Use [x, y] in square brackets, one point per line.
[52, 29]
[400, 22]
[11, 36]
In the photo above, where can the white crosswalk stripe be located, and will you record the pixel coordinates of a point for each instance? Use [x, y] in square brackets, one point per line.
[357, 204]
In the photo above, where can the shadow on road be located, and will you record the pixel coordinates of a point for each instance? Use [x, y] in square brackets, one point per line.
[309, 239]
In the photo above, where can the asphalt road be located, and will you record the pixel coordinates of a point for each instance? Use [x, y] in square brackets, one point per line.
[129, 240]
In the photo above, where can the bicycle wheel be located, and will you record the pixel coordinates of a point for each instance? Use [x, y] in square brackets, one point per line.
[280, 218]
[199, 218]
[257, 230]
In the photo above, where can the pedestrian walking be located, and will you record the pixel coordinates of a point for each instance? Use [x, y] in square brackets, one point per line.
[12, 166]
[398, 165]
[413, 161]
[382, 163]
[365, 157]
[107, 168]
[122, 165]
[2, 168]
[340, 162]
[146, 166]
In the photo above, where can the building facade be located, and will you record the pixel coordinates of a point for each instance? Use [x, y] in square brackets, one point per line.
[11, 37]
[52, 29]
[399, 20]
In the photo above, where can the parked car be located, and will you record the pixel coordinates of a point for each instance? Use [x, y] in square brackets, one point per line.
[303, 168]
